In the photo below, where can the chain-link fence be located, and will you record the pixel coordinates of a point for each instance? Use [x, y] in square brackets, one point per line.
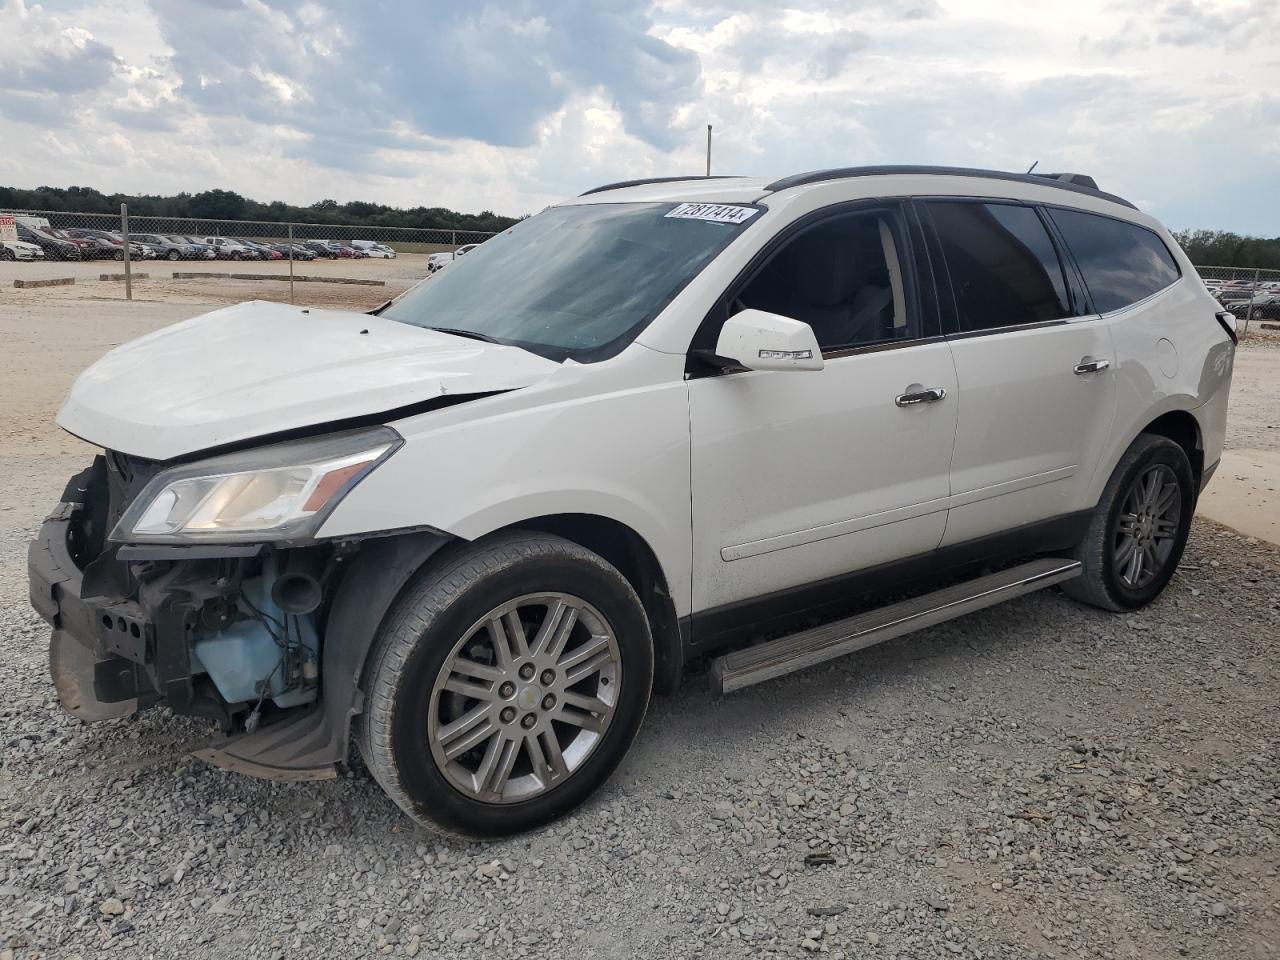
[237, 247]
[1252, 294]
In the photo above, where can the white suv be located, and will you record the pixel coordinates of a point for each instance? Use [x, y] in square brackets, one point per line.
[651, 424]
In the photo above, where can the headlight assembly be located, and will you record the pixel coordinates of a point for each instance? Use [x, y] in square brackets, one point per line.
[280, 492]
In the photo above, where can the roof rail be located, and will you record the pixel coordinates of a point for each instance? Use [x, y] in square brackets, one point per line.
[1075, 182]
[639, 183]
[1079, 179]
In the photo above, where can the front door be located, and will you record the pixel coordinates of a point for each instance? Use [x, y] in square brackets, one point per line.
[798, 477]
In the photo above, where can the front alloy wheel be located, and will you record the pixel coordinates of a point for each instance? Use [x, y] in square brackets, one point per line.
[524, 698]
[506, 684]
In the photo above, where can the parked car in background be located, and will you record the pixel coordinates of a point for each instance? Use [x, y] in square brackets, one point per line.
[263, 250]
[103, 245]
[168, 248]
[373, 249]
[227, 249]
[55, 248]
[298, 251]
[1264, 308]
[204, 251]
[87, 247]
[438, 261]
[325, 248]
[138, 249]
[20, 250]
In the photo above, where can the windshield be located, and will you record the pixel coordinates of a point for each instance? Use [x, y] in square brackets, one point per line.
[578, 281]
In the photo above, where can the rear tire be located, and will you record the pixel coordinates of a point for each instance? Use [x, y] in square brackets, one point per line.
[479, 721]
[1139, 527]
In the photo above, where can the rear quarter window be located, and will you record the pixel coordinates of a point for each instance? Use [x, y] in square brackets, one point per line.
[1122, 262]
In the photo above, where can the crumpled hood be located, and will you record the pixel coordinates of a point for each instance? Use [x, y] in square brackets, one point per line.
[259, 368]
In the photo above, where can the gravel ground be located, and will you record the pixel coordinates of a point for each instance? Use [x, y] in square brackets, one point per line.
[1037, 780]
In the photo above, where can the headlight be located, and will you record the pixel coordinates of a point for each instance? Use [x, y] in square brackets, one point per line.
[279, 492]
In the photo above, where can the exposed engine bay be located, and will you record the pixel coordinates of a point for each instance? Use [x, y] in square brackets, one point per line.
[225, 632]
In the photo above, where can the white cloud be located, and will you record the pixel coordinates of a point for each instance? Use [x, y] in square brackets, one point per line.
[509, 104]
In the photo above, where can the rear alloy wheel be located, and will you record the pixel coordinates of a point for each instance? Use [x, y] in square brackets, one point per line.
[1147, 528]
[505, 685]
[1139, 528]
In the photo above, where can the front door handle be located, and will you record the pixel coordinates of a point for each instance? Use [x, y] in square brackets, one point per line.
[1090, 366]
[929, 395]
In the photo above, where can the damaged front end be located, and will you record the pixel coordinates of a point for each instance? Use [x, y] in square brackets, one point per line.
[267, 639]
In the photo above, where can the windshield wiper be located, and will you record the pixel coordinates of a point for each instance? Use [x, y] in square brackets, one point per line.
[470, 334]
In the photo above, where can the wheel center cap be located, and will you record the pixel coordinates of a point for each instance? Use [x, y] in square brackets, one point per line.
[529, 697]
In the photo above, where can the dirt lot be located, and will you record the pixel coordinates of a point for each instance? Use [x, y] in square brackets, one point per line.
[161, 287]
[1040, 779]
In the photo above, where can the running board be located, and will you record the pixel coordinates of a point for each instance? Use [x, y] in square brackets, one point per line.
[777, 658]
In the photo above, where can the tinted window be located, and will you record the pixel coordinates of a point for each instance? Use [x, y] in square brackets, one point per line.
[842, 277]
[1004, 268]
[573, 281]
[1122, 262]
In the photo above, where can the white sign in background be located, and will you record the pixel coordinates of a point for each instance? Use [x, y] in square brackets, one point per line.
[8, 228]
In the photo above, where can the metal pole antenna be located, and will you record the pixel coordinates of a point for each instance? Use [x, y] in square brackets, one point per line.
[291, 300]
[708, 149]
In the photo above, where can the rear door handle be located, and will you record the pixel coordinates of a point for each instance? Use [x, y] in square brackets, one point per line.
[1091, 366]
[930, 395]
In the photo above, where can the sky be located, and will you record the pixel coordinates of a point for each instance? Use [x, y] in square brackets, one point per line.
[509, 105]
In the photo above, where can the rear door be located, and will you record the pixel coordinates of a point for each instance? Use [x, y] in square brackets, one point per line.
[1033, 364]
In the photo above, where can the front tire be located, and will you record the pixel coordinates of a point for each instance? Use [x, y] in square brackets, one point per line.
[1139, 528]
[506, 685]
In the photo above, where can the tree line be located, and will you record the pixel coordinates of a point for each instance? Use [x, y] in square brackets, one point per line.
[1221, 248]
[227, 205]
[1206, 248]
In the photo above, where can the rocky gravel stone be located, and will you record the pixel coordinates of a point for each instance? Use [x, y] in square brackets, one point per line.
[1040, 779]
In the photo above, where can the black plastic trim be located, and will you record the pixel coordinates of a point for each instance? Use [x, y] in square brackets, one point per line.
[745, 619]
[1221, 316]
[200, 551]
[849, 173]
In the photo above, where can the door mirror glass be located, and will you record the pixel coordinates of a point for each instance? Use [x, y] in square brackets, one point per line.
[769, 341]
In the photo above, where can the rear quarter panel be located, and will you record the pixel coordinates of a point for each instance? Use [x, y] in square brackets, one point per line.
[1171, 354]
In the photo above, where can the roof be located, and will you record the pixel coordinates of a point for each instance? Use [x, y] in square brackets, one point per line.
[720, 189]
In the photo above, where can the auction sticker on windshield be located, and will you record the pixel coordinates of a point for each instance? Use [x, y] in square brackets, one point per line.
[716, 212]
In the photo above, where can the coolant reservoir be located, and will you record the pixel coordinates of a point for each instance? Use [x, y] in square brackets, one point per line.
[242, 656]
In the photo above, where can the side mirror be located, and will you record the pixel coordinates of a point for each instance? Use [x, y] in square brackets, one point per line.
[769, 341]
